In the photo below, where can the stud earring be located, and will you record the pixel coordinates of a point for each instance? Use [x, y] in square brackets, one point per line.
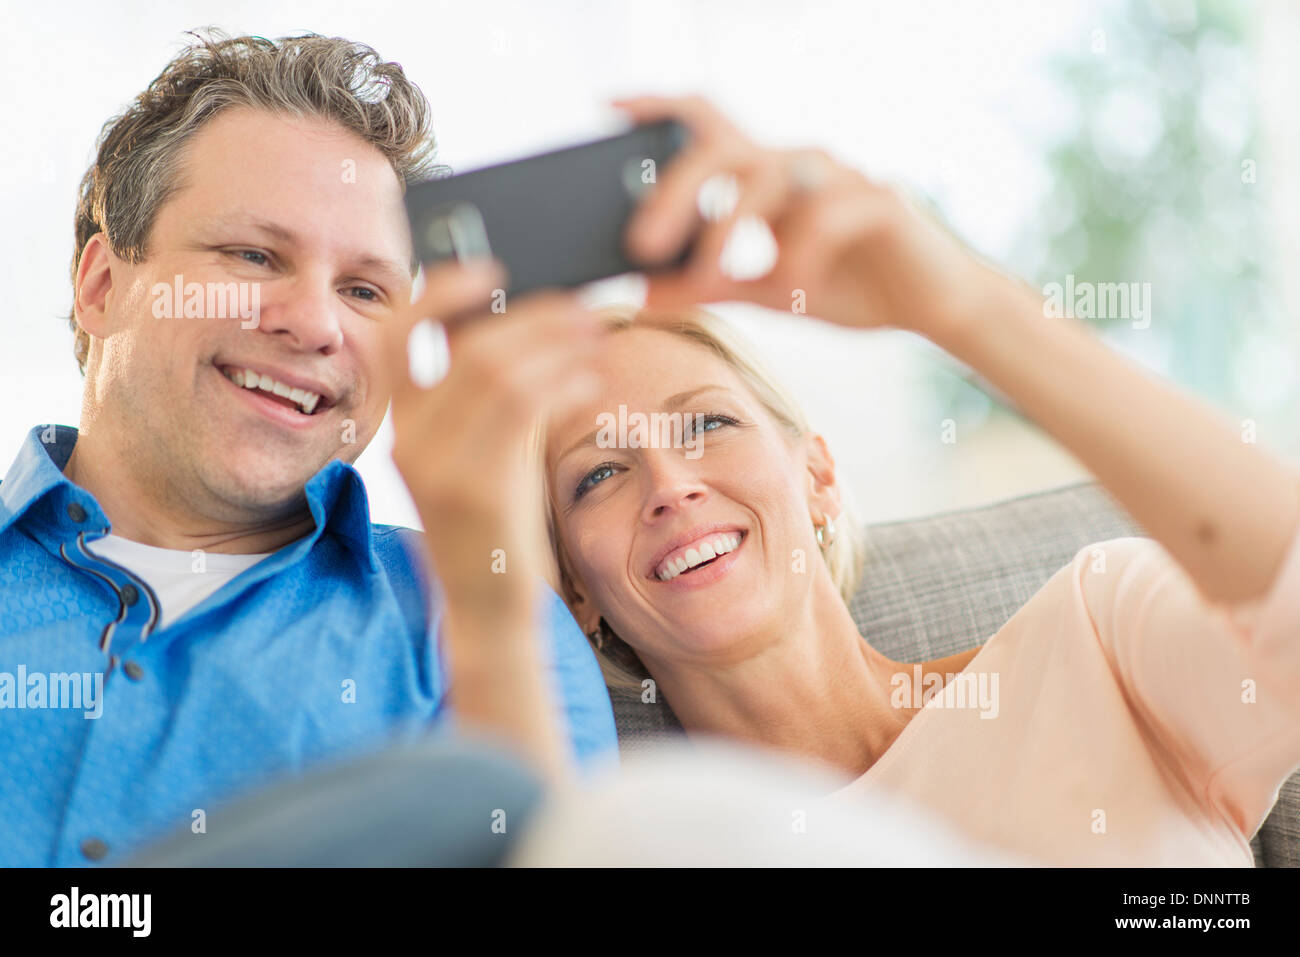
[825, 532]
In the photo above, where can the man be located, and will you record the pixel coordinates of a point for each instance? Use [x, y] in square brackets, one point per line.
[194, 598]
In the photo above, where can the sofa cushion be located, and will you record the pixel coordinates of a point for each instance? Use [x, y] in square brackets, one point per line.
[939, 585]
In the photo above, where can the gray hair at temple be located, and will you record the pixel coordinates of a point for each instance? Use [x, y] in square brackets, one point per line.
[140, 152]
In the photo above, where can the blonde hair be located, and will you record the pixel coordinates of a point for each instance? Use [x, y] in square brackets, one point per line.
[622, 668]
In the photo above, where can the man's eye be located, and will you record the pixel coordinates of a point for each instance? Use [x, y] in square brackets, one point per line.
[261, 258]
[370, 294]
[593, 478]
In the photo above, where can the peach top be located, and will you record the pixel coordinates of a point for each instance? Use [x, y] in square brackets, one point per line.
[1134, 722]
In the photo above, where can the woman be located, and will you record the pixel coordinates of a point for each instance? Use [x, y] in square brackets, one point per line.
[1148, 700]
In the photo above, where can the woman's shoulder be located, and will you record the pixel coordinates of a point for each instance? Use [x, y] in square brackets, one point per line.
[1106, 572]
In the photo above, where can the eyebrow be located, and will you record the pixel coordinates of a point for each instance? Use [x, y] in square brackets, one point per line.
[676, 399]
[284, 234]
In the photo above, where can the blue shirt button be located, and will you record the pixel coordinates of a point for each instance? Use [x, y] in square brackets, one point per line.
[92, 848]
[76, 512]
[129, 595]
[133, 670]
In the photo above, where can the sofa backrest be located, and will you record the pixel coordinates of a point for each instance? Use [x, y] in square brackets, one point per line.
[939, 585]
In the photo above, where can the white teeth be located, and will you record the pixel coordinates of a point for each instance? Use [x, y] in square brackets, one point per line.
[705, 551]
[249, 379]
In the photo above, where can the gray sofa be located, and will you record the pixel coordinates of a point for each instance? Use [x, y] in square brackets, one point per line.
[939, 585]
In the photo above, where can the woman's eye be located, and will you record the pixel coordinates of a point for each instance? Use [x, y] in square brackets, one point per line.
[593, 478]
[370, 294]
[708, 423]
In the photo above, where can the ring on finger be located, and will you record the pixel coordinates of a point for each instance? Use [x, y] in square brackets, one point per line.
[718, 196]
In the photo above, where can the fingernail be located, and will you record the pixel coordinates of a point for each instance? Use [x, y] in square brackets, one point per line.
[484, 268]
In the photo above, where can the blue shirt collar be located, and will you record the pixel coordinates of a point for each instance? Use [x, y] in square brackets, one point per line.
[336, 495]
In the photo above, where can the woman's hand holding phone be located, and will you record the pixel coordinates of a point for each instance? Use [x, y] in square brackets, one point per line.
[849, 250]
[1225, 509]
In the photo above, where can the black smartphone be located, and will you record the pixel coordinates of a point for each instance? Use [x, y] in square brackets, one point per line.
[555, 219]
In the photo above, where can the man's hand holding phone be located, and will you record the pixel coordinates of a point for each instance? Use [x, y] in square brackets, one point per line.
[461, 447]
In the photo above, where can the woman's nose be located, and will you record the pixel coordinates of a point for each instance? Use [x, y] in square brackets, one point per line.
[673, 486]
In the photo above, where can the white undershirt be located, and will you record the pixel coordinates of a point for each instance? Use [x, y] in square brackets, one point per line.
[179, 578]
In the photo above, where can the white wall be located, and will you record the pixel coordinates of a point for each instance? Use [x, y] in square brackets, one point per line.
[945, 96]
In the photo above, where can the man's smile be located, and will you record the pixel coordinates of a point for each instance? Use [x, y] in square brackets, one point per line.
[290, 400]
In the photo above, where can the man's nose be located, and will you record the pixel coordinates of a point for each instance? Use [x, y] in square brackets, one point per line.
[305, 313]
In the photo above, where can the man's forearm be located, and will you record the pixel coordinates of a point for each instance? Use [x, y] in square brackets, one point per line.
[1225, 509]
[497, 683]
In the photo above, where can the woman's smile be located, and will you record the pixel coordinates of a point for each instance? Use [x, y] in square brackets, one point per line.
[684, 553]
[701, 549]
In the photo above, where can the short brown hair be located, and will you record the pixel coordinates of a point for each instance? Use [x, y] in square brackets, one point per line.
[139, 152]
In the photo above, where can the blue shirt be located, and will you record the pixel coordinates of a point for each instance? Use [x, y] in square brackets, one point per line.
[325, 648]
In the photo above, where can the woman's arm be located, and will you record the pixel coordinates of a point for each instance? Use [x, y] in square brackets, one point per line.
[856, 253]
[1224, 508]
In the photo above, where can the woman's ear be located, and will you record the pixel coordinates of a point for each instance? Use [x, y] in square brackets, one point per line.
[574, 593]
[584, 613]
[559, 571]
[823, 490]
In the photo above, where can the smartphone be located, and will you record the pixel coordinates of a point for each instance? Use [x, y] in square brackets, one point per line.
[554, 219]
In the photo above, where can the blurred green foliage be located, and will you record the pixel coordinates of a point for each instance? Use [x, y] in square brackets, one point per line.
[1154, 181]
